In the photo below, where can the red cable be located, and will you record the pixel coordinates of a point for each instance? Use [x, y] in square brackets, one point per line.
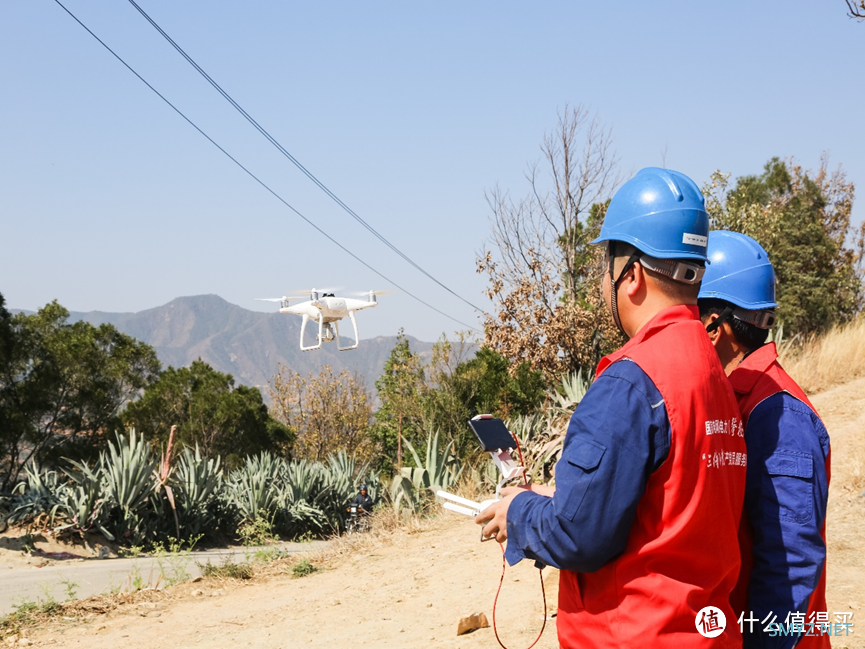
[504, 564]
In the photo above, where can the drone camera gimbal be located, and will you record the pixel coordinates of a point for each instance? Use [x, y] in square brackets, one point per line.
[327, 332]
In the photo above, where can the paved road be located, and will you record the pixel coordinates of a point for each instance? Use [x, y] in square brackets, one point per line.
[94, 576]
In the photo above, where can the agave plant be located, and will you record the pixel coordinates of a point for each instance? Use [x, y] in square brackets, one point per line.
[403, 495]
[776, 335]
[300, 518]
[343, 463]
[37, 494]
[127, 469]
[538, 437]
[342, 476]
[440, 469]
[570, 392]
[528, 429]
[254, 489]
[785, 344]
[325, 489]
[195, 482]
[548, 454]
[305, 497]
[82, 502]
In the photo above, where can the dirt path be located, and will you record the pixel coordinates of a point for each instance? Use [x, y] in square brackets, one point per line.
[411, 590]
[406, 594]
[843, 411]
[33, 578]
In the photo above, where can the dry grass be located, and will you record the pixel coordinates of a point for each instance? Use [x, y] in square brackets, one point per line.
[27, 617]
[831, 359]
[228, 569]
[857, 472]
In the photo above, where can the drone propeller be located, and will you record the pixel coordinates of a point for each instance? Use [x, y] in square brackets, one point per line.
[318, 289]
[382, 292]
[279, 299]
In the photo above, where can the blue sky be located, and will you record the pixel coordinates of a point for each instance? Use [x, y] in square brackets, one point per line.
[407, 111]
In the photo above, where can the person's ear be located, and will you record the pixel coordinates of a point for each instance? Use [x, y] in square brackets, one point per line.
[715, 334]
[635, 278]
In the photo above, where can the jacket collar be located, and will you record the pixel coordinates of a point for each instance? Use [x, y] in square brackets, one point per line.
[671, 315]
[752, 367]
[662, 319]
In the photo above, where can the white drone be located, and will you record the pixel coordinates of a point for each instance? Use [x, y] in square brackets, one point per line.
[327, 309]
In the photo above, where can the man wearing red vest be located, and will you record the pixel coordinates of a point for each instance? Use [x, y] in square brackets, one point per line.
[783, 532]
[643, 519]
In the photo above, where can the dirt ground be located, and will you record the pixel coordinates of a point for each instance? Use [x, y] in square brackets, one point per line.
[843, 411]
[51, 550]
[410, 590]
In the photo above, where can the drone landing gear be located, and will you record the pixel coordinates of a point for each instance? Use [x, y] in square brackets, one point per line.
[356, 340]
[308, 348]
[327, 332]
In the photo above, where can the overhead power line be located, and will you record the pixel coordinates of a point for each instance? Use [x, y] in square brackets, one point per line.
[256, 178]
[294, 160]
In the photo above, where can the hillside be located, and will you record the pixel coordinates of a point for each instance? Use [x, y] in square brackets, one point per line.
[249, 345]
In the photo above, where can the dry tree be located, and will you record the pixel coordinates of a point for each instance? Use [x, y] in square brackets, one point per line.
[544, 278]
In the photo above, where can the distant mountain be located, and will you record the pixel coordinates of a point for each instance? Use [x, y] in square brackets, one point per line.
[249, 345]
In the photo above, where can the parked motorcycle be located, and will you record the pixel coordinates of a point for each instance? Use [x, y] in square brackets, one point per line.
[358, 520]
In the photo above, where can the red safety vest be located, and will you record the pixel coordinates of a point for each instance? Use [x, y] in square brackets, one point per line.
[682, 553]
[758, 377]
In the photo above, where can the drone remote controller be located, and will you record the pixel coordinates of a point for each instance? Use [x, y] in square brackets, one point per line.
[495, 439]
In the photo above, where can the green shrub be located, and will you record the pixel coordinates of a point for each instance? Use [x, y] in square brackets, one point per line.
[303, 568]
[228, 569]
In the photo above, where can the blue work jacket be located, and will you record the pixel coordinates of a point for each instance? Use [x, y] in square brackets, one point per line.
[624, 412]
[785, 513]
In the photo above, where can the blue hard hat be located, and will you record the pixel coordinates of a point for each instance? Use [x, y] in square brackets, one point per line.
[660, 212]
[740, 272]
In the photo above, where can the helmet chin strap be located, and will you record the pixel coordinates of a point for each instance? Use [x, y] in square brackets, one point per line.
[614, 283]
